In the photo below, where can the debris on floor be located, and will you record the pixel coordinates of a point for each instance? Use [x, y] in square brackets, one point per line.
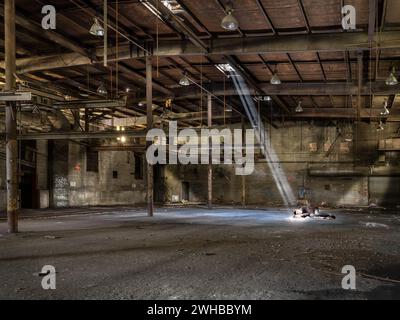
[376, 225]
[51, 237]
[195, 253]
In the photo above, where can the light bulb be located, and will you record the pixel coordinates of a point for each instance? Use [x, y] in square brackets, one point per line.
[275, 79]
[267, 98]
[102, 89]
[299, 108]
[184, 82]
[392, 80]
[97, 29]
[229, 22]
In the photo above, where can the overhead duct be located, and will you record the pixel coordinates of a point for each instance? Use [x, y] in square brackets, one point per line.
[129, 122]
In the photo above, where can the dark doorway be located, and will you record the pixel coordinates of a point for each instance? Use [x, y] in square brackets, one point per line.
[159, 184]
[138, 167]
[29, 194]
[185, 191]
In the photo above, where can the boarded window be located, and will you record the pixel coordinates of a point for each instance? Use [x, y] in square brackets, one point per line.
[138, 167]
[115, 174]
[313, 147]
[92, 161]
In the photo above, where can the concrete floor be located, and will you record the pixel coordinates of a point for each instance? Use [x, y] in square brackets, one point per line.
[119, 253]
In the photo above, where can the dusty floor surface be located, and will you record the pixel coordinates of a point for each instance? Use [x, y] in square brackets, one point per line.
[119, 253]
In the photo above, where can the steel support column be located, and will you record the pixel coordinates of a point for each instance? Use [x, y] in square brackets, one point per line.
[243, 177]
[210, 170]
[360, 67]
[11, 118]
[149, 101]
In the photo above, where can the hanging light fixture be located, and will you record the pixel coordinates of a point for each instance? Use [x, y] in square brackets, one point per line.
[385, 110]
[380, 126]
[275, 79]
[102, 89]
[229, 22]
[97, 29]
[184, 82]
[392, 79]
[299, 108]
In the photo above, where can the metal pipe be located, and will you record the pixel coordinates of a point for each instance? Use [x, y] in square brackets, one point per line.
[79, 135]
[105, 54]
[360, 65]
[222, 46]
[356, 172]
[243, 177]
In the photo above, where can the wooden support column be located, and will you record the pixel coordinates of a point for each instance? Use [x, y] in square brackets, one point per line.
[149, 102]
[243, 177]
[11, 118]
[210, 171]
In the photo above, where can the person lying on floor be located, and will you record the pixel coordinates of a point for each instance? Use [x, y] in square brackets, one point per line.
[303, 212]
[308, 212]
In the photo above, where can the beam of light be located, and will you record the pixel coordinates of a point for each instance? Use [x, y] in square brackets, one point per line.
[264, 140]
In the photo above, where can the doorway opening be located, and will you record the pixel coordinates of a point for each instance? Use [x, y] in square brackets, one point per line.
[185, 191]
[29, 194]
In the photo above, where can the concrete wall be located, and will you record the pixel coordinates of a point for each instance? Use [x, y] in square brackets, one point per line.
[303, 148]
[300, 147]
[59, 186]
[41, 177]
[63, 179]
[42, 173]
[74, 185]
